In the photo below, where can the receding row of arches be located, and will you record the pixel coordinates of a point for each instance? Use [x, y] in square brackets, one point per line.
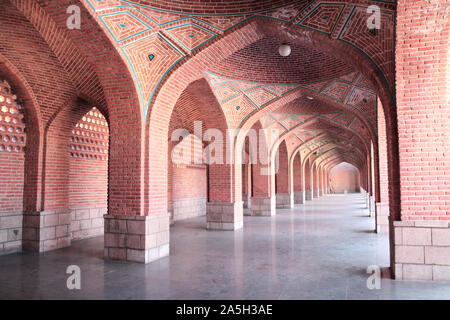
[123, 166]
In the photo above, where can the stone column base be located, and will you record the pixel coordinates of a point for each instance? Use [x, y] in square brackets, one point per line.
[228, 216]
[263, 206]
[382, 217]
[315, 193]
[368, 201]
[11, 224]
[246, 201]
[46, 230]
[372, 206]
[140, 239]
[283, 201]
[308, 195]
[298, 197]
[422, 250]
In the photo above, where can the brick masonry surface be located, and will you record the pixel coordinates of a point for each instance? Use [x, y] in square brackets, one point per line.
[422, 250]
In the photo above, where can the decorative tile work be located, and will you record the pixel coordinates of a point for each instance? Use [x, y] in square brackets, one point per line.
[316, 87]
[283, 89]
[261, 96]
[363, 82]
[289, 122]
[380, 47]
[190, 35]
[237, 109]
[129, 21]
[323, 17]
[365, 102]
[266, 121]
[351, 77]
[226, 91]
[161, 18]
[149, 73]
[123, 25]
[99, 5]
[287, 13]
[12, 123]
[337, 91]
[345, 119]
[224, 23]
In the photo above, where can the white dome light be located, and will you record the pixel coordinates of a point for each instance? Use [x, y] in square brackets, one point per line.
[284, 50]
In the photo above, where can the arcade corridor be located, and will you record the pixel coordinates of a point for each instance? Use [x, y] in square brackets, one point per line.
[318, 251]
[225, 149]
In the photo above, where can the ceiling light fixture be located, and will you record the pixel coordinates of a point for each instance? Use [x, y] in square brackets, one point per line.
[310, 98]
[284, 50]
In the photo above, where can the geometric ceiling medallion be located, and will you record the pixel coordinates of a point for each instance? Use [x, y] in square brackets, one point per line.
[190, 35]
[141, 55]
[226, 92]
[123, 25]
[337, 91]
[261, 96]
[323, 18]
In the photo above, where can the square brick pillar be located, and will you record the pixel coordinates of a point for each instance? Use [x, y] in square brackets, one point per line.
[263, 206]
[140, 239]
[422, 250]
[316, 193]
[46, 230]
[11, 232]
[225, 215]
[372, 206]
[284, 200]
[308, 195]
[299, 197]
[382, 217]
[366, 199]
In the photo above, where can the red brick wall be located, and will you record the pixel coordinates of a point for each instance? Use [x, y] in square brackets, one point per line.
[423, 109]
[187, 182]
[282, 175]
[11, 181]
[12, 151]
[315, 179]
[88, 152]
[307, 175]
[297, 173]
[76, 162]
[344, 177]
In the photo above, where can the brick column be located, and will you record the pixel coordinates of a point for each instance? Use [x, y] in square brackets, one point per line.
[314, 183]
[283, 176]
[297, 180]
[382, 207]
[320, 182]
[307, 181]
[224, 210]
[422, 247]
[263, 201]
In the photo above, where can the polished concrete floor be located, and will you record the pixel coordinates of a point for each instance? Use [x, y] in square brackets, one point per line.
[320, 250]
